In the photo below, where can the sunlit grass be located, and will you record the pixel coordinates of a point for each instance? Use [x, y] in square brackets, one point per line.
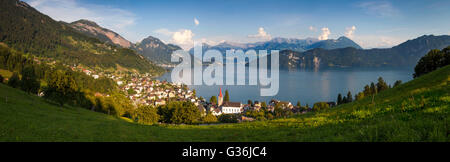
[415, 111]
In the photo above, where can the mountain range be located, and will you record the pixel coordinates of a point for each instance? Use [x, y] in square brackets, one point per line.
[85, 42]
[25, 29]
[406, 54]
[151, 48]
[299, 45]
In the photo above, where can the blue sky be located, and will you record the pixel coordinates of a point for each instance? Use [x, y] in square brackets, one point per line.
[370, 23]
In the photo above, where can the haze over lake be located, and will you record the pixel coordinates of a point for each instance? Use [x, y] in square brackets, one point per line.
[307, 86]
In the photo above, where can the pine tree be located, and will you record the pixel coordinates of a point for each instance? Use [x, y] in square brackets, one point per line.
[397, 83]
[367, 91]
[373, 89]
[213, 100]
[381, 85]
[227, 96]
[349, 97]
[339, 99]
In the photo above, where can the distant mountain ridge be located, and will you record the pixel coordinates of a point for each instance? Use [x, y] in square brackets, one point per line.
[299, 45]
[105, 35]
[155, 50]
[404, 55]
[151, 48]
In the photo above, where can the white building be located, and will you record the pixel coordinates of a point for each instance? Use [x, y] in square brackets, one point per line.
[232, 107]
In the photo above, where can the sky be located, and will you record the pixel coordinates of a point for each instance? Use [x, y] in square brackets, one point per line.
[370, 23]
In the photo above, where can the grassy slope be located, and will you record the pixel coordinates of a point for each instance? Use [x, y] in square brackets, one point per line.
[415, 111]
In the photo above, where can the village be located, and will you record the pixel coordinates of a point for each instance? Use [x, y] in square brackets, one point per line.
[143, 90]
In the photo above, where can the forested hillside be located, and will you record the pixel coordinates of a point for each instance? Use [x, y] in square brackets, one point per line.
[27, 30]
[406, 54]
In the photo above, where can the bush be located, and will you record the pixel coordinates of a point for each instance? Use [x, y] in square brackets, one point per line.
[146, 115]
[259, 115]
[14, 81]
[209, 118]
[320, 106]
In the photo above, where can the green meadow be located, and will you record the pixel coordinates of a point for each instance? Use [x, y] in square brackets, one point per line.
[414, 111]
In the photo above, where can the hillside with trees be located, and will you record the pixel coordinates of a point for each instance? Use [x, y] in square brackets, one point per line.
[406, 54]
[413, 111]
[25, 29]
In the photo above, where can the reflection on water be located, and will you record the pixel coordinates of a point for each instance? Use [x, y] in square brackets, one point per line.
[306, 86]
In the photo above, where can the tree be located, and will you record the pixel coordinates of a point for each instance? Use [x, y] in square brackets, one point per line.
[188, 113]
[359, 96]
[227, 96]
[213, 100]
[263, 104]
[397, 83]
[344, 100]
[349, 97]
[320, 106]
[250, 102]
[339, 99]
[367, 91]
[381, 85]
[14, 80]
[373, 89]
[29, 81]
[61, 87]
[209, 118]
[299, 104]
[194, 92]
[146, 115]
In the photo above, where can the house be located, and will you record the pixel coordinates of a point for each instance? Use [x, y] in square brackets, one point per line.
[160, 102]
[232, 107]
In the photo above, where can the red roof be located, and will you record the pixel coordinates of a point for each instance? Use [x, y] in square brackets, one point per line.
[220, 94]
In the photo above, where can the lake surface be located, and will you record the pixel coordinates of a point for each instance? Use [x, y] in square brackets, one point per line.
[307, 86]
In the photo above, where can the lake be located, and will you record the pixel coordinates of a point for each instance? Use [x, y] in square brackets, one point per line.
[308, 86]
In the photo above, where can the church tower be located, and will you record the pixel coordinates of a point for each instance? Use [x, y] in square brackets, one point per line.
[220, 98]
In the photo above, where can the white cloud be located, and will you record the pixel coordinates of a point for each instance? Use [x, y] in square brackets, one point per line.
[262, 34]
[196, 22]
[350, 31]
[325, 33]
[112, 18]
[312, 28]
[379, 8]
[164, 31]
[182, 37]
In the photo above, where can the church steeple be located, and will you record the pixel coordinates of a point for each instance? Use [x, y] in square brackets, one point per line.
[220, 98]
